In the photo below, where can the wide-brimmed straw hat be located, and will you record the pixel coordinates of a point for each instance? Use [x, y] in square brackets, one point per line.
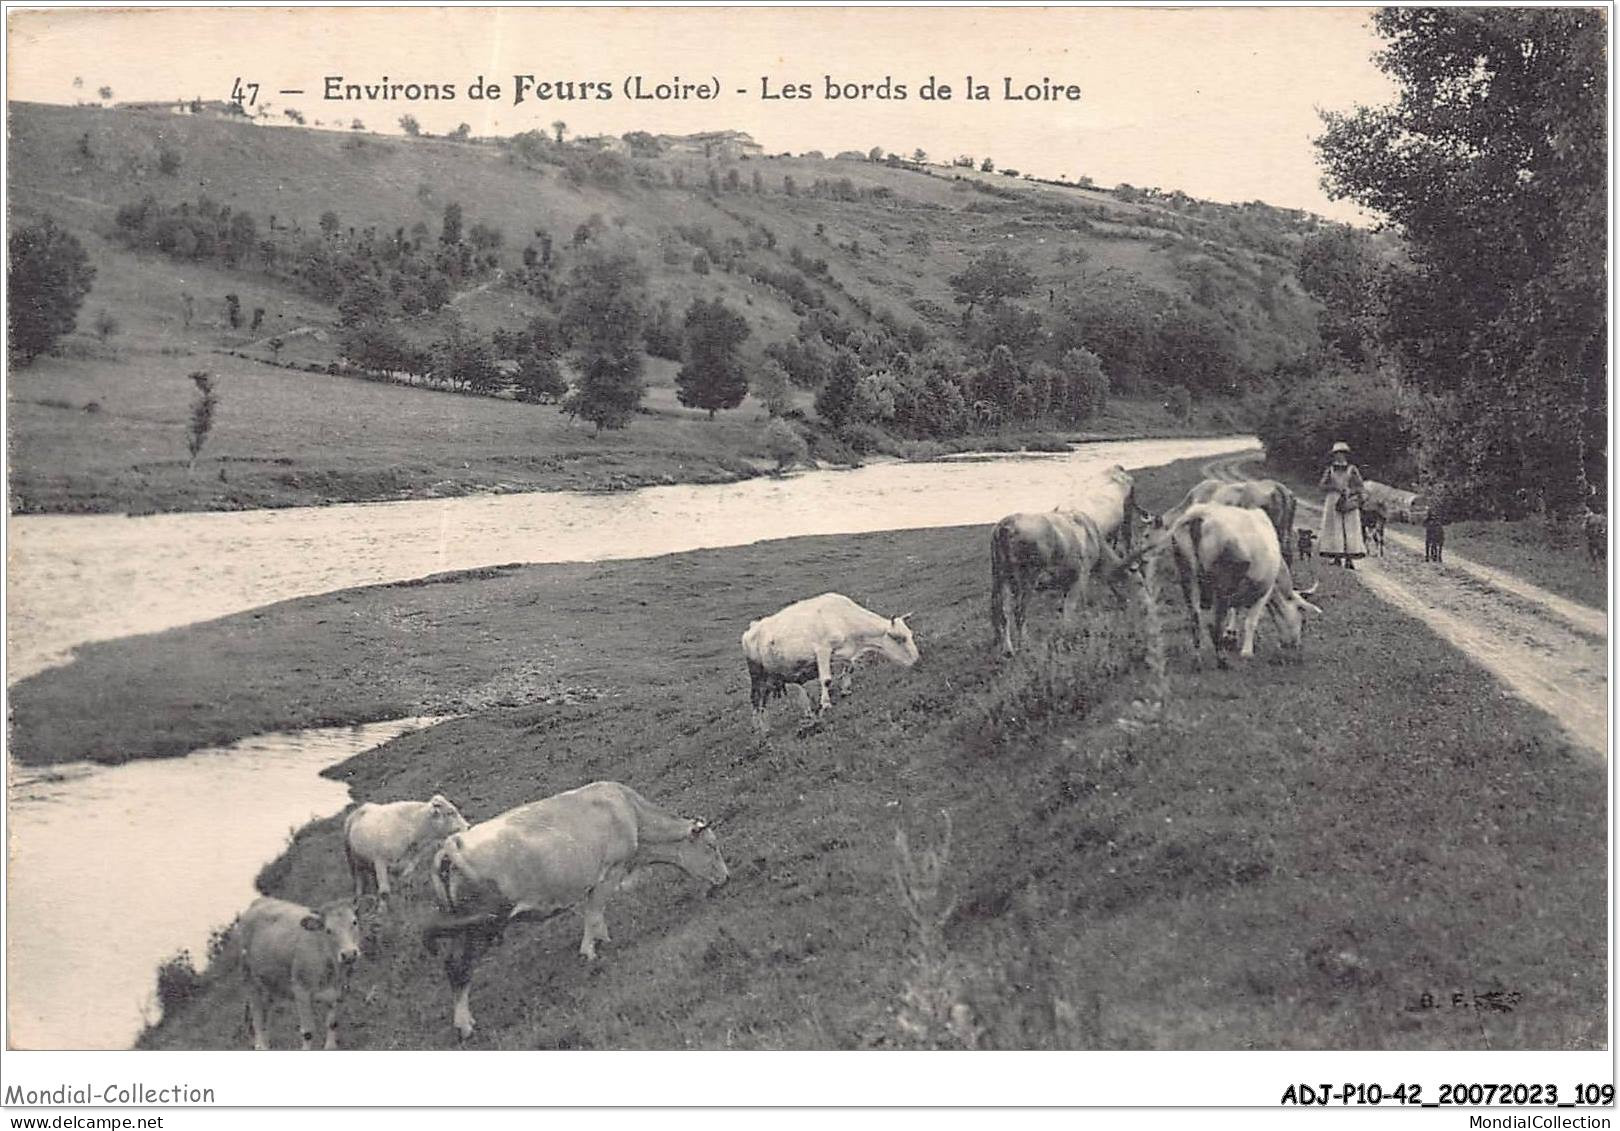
[1341, 446]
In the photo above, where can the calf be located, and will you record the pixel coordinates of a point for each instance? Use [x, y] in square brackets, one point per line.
[1373, 521]
[1307, 542]
[377, 838]
[289, 950]
[803, 641]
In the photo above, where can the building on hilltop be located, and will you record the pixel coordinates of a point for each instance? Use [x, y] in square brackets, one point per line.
[606, 143]
[730, 145]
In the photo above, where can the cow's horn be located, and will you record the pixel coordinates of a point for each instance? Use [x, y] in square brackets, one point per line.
[903, 616]
[1308, 592]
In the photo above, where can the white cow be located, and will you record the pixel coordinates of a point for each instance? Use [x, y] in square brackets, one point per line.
[377, 838]
[539, 860]
[804, 640]
[289, 950]
[1231, 556]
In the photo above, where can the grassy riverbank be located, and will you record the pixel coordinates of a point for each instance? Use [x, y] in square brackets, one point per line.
[100, 434]
[1293, 861]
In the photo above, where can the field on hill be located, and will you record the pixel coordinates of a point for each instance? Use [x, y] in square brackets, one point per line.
[1275, 865]
[867, 248]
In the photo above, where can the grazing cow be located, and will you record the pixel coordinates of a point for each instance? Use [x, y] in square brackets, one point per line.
[1267, 495]
[1373, 522]
[377, 838]
[1596, 526]
[1110, 502]
[1307, 540]
[289, 950]
[1054, 550]
[547, 857]
[804, 640]
[1229, 558]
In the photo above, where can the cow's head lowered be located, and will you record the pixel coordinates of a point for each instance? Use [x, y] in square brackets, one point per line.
[897, 643]
[696, 852]
[1288, 607]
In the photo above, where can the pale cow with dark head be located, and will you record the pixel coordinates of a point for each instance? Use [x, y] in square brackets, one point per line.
[303, 953]
[803, 641]
[567, 852]
[378, 838]
[1230, 562]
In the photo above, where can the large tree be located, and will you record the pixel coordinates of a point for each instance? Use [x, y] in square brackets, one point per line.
[1491, 164]
[602, 320]
[48, 275]
[994, 276]
[712, 377]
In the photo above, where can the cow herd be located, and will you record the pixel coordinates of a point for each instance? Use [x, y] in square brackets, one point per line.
[1232, 544]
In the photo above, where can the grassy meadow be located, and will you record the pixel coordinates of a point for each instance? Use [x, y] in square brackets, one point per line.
[1285, 855]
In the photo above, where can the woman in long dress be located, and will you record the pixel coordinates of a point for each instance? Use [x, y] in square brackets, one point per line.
[1340, 536]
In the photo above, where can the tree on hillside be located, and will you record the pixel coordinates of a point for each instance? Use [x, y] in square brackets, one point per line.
[1084, 387]
[450, 233]
[712, 377]
[48, 275]
[998, 381]
[461, 133]
[463, 359]
[835, 401]
[1339, 268]
[993, 276]
[1492, 165]
[601, 319]
[770, 386]
[203, 405]
[919, 155]
[987, 166]
[410, 125]
[560, 127]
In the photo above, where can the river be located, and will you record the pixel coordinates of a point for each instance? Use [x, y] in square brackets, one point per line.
[74, 579]
[115, 869]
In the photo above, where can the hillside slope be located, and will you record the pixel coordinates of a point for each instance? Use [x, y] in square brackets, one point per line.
[858, 250]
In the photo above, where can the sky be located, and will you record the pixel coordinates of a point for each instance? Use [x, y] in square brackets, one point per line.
[1221, 103]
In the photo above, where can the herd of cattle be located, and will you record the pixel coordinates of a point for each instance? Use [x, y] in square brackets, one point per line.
[1232, 544]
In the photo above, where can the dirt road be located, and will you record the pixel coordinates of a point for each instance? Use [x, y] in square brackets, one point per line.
[1548, 651]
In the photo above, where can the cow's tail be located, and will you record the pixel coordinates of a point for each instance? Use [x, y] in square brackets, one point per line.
[355, 872]
[1188, 536]
[1001, 579]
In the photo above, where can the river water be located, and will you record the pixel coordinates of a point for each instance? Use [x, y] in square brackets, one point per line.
[115, 869]
[81, 578]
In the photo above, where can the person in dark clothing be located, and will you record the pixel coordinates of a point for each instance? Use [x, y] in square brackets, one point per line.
[1434, 534]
